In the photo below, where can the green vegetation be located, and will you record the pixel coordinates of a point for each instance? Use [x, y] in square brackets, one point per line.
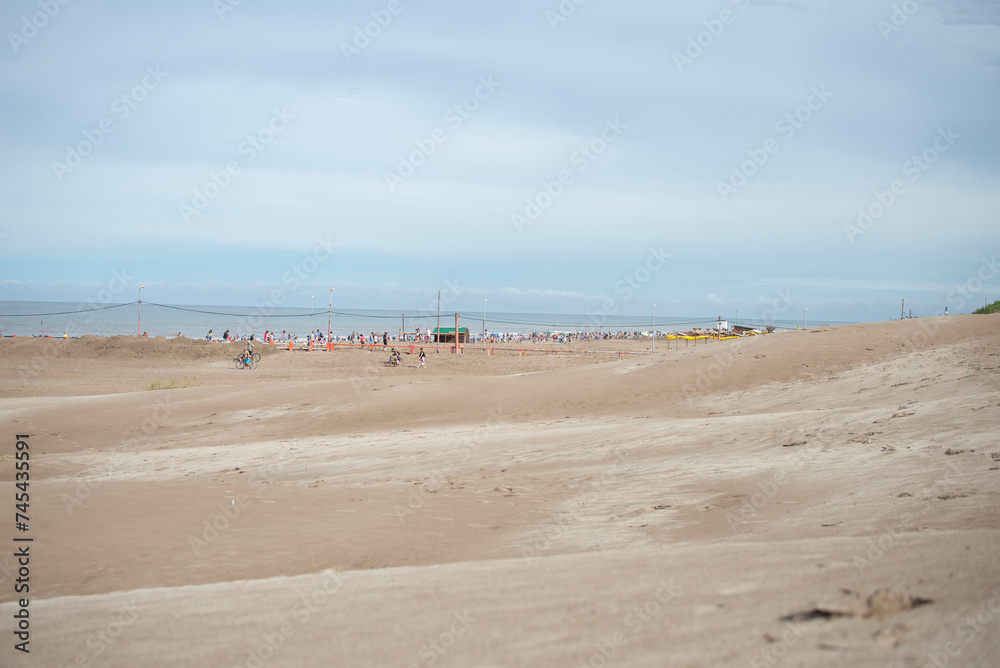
[992, 308]
[172, 384]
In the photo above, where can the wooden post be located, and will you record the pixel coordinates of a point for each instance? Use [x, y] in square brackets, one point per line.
[456, 333]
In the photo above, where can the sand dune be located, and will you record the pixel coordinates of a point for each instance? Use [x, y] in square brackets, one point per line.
[503, 510]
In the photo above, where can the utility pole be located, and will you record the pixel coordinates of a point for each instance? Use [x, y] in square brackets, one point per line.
[402, 332]
[456, 334]
[902, 309]
[653, 331]
[484, 326]
[437, 336]
[329, 319]
[138, 317]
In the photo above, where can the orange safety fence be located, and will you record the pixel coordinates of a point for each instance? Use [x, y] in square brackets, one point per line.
[332, 346]
[412, 349]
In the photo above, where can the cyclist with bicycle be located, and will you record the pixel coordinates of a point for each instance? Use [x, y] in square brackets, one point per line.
[248, 352]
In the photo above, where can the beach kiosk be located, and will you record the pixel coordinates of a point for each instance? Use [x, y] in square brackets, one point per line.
[447, 335]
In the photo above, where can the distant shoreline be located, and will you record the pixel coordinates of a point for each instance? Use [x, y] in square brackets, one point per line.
[26, 318]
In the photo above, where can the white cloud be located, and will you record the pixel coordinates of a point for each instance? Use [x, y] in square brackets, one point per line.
[324, 175]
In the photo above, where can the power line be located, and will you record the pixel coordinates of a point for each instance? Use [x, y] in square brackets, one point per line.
[84, 310]
[585, 321]
[231, 315]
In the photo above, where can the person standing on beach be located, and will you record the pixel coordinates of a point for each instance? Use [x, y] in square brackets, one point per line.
[423, 359]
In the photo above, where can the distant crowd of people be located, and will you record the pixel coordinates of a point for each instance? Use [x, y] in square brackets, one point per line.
[268, 337]
[560, 337]
[385, 339]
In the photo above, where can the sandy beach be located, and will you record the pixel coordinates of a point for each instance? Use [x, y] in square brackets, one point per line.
[823, 497]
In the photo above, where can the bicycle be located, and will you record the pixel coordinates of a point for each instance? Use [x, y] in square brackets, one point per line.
[243, 362]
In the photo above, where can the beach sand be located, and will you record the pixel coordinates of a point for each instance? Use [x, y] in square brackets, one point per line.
[824, 497]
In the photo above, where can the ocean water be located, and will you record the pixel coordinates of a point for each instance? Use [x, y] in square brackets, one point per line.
[74, 319]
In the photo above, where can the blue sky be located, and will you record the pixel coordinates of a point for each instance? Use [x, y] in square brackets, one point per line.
[707, 156]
